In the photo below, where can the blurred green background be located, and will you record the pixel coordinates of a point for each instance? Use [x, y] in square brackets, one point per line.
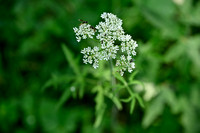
[36, 92]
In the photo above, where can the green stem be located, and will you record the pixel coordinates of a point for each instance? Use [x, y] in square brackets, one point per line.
[129, 90]
[113, 81]
[113, 84]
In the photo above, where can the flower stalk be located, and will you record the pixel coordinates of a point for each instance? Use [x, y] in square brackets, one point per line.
[112, 77]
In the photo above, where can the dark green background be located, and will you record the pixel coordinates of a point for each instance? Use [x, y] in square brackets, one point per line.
[31, 57]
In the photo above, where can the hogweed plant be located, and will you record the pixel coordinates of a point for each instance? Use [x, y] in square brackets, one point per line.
[109, 33]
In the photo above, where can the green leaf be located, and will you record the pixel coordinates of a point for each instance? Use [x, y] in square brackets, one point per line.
[64, 98]
[139, 100]
[194, 96]
[70, 59]
[118, 88]
[136, 82]
[174, 52]
[190, 12]
[74, 93]
[95, 89]
[100, 106]
[192, 49]
[156, 18]
[99, 117]
[127, 99]
[81, 90]
[120, 78]
[153, 111]
[162, 19]
[132, 105]
[115, 100]
[56, 80]
[131, 78]
[160, 5]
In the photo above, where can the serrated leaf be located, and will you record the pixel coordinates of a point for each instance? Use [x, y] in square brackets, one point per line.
[70, 59]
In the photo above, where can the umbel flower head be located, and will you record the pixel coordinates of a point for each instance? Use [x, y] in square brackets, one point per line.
[108, 32]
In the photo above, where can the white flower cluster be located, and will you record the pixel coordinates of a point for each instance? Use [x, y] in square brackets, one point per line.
[107, 33]
[84, 31]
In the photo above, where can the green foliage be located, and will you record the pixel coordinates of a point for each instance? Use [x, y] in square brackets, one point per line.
[45, 87]
[103, 88]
